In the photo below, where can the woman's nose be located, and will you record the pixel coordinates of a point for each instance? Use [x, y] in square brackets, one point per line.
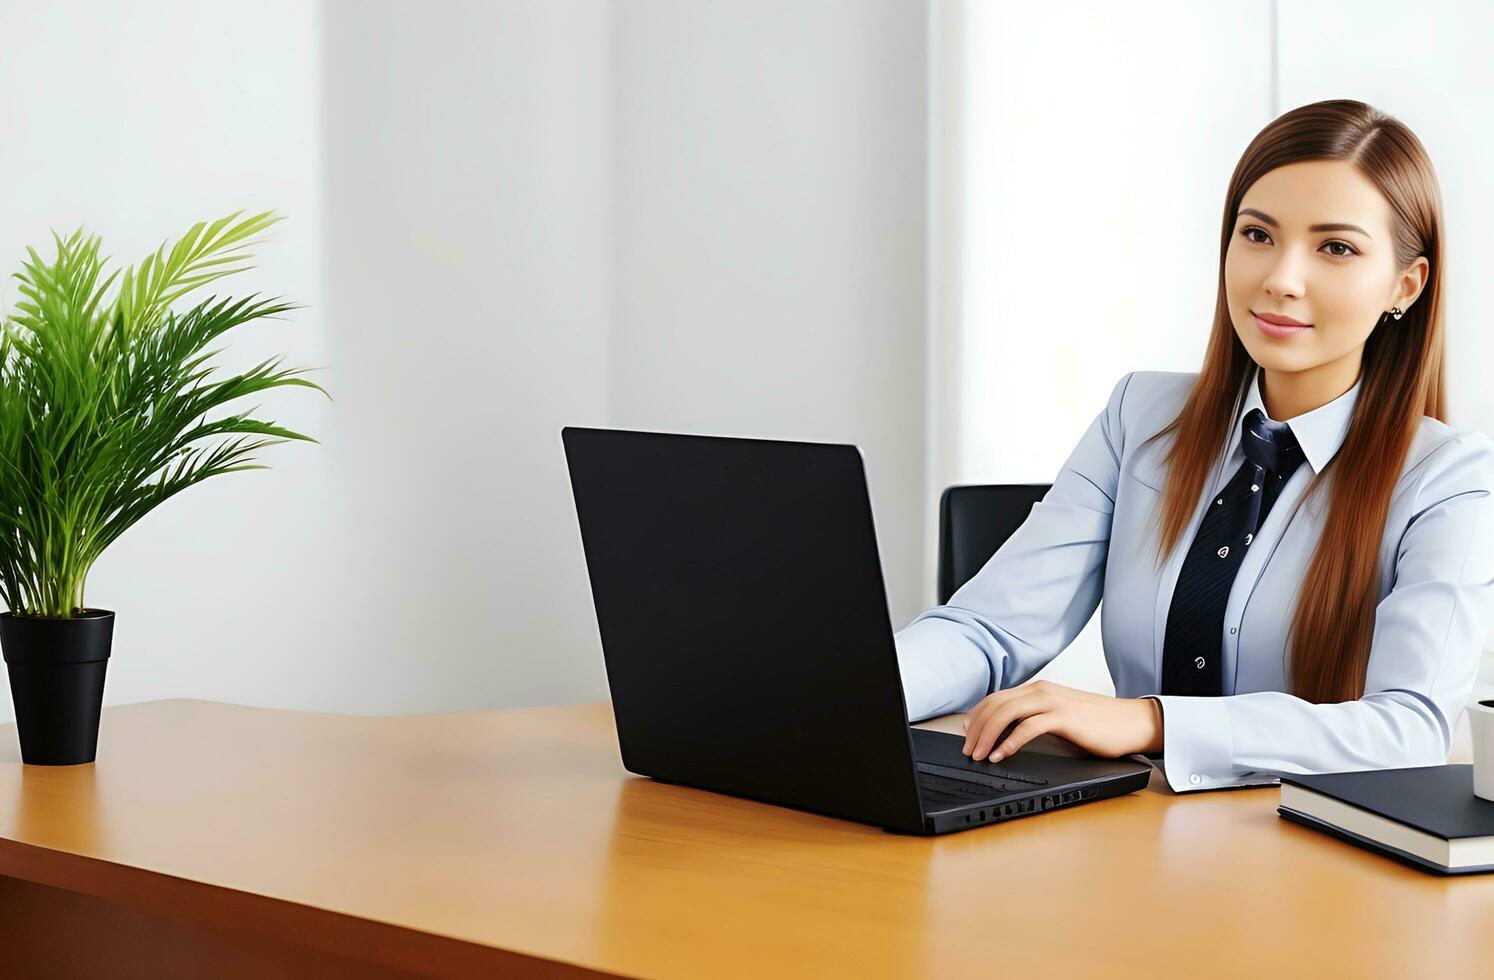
[1285, 277]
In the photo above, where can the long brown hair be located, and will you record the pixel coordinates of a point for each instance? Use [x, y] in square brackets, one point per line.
[1401, 379]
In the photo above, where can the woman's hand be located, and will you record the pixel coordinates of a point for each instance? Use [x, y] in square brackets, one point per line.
[1099, 724]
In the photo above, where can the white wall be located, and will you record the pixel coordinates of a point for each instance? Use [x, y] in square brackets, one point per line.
[506, 217]
[769, 196]
[468, 287]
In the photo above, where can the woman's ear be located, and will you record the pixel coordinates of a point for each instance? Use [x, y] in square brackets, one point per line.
[1410, 283]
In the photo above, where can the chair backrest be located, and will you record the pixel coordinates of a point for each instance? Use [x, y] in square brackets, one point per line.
[974, 521]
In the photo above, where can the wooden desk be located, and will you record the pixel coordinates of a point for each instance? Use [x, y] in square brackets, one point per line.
[216, 840]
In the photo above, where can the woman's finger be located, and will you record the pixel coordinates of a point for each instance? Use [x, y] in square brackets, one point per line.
[977, 715]
[1029, 729]
[975, 720]
[995, 723]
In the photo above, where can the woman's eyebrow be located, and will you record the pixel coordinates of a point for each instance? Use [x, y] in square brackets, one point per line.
[1336, 226]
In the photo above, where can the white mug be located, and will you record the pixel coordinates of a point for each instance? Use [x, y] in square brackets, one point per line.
[1481, 726]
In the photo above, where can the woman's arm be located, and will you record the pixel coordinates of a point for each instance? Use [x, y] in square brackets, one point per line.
[1035, 594]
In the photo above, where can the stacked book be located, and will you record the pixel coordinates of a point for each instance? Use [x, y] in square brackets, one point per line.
[1426, 817]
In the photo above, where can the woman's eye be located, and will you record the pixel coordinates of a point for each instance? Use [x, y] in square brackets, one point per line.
[1348, 249]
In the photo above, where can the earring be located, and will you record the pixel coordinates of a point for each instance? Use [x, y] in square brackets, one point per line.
[1396, 312]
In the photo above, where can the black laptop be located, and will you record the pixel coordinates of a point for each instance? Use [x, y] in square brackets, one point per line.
[748, 645]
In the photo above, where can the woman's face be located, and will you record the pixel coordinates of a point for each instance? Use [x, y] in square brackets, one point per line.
[1312, 242]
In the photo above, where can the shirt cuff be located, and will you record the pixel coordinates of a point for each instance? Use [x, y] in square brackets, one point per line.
[942, 670]
[1198, 747]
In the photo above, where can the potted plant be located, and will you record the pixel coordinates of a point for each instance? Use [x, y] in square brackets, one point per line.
[104, 405]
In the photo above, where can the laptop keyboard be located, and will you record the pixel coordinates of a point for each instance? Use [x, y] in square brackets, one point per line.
[1000, 779]
[950, 786]
[941, 789]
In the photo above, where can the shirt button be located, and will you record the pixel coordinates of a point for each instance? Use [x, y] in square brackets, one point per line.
[1254, 488]
[1231, 629]
[1195, 779]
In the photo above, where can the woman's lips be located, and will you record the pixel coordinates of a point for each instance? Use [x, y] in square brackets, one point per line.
[1277, 330]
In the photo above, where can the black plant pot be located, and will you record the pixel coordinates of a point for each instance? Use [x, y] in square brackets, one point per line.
[56, 671]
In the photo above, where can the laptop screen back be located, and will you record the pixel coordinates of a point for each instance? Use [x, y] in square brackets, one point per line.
[744, 620]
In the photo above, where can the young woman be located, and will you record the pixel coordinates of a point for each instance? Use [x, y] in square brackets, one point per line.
[1295, 551]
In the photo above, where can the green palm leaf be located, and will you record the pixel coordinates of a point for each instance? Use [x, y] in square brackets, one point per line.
[105, 401]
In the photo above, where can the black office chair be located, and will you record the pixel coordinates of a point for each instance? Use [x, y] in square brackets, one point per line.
[976, 520]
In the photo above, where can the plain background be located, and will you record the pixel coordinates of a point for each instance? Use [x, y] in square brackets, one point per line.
[940, 231]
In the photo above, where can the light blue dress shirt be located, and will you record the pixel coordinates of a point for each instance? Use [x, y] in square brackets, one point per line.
[1094, 536]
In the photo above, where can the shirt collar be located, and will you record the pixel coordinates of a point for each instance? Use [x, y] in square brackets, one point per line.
[1319, 432]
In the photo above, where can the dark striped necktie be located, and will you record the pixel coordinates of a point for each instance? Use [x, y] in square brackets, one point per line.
[1191, 661]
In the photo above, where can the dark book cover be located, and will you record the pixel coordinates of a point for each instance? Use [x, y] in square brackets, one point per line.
[1436, 800]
